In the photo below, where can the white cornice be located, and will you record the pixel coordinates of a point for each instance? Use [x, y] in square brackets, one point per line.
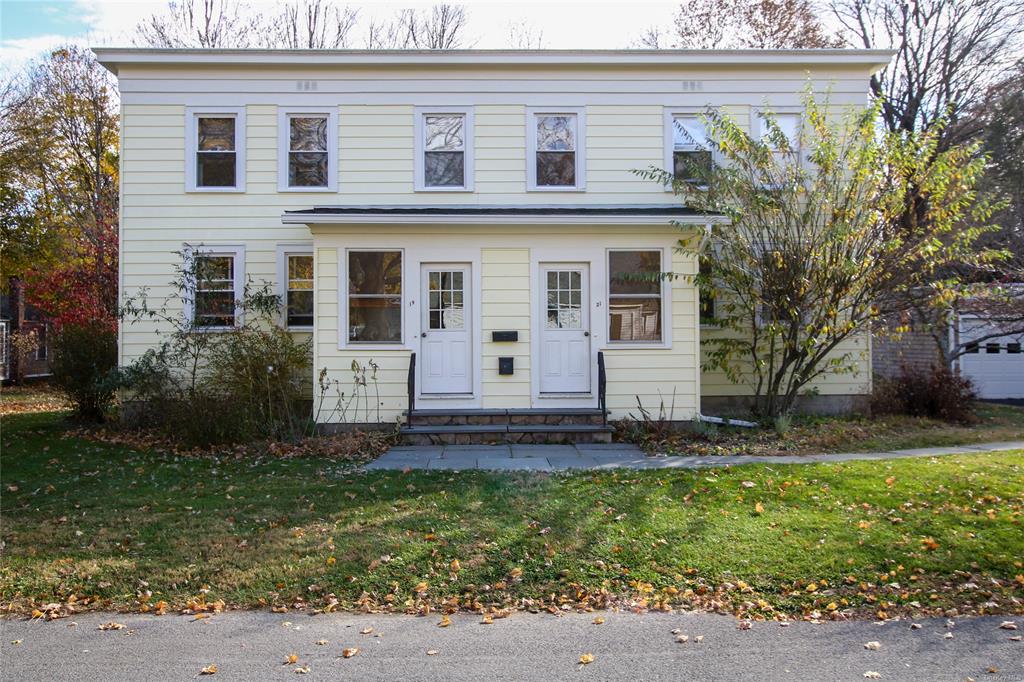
[113, 58]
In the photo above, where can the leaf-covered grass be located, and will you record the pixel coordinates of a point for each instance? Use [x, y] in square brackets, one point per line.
[105, 526]
[810, 434]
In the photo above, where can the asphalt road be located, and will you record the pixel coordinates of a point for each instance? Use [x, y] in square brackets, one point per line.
[255, 646]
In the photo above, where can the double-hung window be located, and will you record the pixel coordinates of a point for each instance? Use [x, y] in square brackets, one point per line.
[215, 149]
[688, 146]
[556, 142]
[635, 307]
[295, 277]
[217, 282]
[789, 126]
[374, 297]
[444, 149]
[308, 150]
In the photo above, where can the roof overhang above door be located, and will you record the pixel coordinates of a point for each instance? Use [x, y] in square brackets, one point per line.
[502, 215]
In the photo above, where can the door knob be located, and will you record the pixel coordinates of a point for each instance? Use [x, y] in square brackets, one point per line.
[424, 335]
[586, 333]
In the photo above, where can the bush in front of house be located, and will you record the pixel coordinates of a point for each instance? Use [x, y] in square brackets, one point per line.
[83, 362]
[937, 393]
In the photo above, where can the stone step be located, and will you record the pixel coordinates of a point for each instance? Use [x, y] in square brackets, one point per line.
[525, 416]
[506, 433]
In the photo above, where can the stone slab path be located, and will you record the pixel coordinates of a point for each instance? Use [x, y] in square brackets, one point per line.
[619, 456]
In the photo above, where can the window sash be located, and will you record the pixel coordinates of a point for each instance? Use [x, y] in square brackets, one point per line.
[208, 289]
[213, 154]
[645, 329]
[298, 318]
[393, 301]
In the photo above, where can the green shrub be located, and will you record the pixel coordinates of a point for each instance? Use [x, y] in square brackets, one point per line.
[937, 393]
[83, 362]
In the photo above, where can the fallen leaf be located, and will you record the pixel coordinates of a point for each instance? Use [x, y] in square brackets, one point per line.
[292, 659]
[930, 544]
[15, 642]
[209, 670]
[350, 652]
[889, 481]
[872, 675]
[302, 670]
[1016, 638]
[487, 620]
[873, 646]
[948, 635]
[915, 626]
[321, 642]
[759, 508]
[744, 625]
[366, 631]
[586, 659]
[431, 652]
[682, 639]
[455, 565]
[111, 626]
[598, 620]
[444, 622]
[1008, 625]
[698, 639]
[748, 484]
[992, 670]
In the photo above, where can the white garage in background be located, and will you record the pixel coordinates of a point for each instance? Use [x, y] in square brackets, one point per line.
[994, 364]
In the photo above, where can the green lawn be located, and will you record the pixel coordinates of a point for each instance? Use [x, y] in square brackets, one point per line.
[105, 526]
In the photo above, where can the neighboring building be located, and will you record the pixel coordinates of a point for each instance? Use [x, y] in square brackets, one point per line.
[474, 210]
[24, 337]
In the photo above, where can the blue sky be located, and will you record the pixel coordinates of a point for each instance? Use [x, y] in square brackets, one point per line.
[30, 27]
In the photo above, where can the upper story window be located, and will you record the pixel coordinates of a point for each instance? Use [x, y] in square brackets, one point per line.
[634, 296]
[444, 149]
[218, 277]
[556, 148]
[308, 150]
[688, 146]
[215, 149]
[789, 126]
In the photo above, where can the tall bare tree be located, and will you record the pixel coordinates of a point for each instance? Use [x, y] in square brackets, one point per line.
[440, 27]
[947, 53]
[312, 24]
[201, 23]
[725, 24]
[525, 36]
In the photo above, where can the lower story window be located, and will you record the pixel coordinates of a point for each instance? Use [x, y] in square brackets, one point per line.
[299, 295]
[215, 291]
[375, 297]
[634, 303]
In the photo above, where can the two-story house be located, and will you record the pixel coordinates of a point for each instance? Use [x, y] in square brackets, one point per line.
[468, 220]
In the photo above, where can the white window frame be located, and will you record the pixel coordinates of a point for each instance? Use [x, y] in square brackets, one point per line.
[469, 145]
[283, 252]
[236, 251]
[759, 127]
[284, 116]
[531, 147]
[192, 116]
[663, 296]
[671, 114]
[343, 340]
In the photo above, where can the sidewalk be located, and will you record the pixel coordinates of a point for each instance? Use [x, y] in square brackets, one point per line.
[619, 456]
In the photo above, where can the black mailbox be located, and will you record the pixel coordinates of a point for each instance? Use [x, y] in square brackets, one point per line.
[505, 366]
[505, 336]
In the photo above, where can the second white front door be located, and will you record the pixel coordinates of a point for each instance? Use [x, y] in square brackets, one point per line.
[446, 330]
[565, 328]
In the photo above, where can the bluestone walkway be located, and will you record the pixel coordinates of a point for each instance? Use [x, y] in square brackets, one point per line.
[619, 455]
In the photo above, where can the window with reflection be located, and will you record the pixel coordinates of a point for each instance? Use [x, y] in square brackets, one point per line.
[308, 152]
[557, 139]
[375, 296]
[299, 294]
[444, 150]
[635, 296]
[691, 155]
[215, 293]
[216, 151]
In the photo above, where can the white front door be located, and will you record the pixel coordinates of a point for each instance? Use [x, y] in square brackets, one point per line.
[445, 330]
[565, 328]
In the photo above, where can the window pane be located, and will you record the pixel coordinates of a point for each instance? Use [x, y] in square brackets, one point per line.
[444, 169]
[375, 272]
[308, 134]
[215, 308]
[634, 319]
[216, 134]
[300, 308]
[300, 268]
[691, 166]
[375, 319]
[215, 169]
[556, 169]
[623, 266]
[215, 273]
[444, 133]
[688, 131]
[556, 133]
[307, 169]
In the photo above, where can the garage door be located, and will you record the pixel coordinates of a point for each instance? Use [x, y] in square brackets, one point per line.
[995, 365]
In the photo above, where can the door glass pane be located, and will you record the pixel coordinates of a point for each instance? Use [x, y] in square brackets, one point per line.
[564, 299]
[446, 310]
